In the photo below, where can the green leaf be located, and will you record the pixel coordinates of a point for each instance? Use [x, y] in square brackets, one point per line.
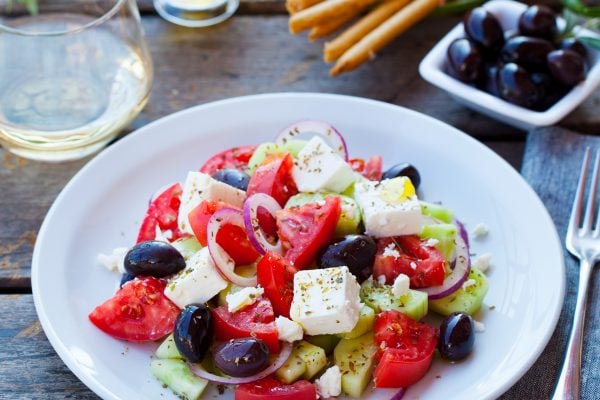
[31, 5]
[590, 41]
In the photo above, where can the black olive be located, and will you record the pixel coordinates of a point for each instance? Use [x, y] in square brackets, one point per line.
[241, 357]
[357, 252]
[457, 336]
[404, 169]
[538, 21]
[153, 258]
[490, 80]
[233, 177]
[465, 60]
[484, 28]
[193, 332]
[126, 278]
[574, 45]
[567, 67]
[528, 52]
[516, 86]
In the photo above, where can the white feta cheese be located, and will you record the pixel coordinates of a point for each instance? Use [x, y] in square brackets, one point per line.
[391, 251]
[243, 298]
[381, 279]
[401, 285]
[289, 331]
[115, 261]
[483, 262]
[319, 168]
[198, 187]
[468, 283]
[480, 231]
[389, 207]
[161, 236]
[326, 301]
[479, 326]
[330, 383]
[198, 282]
[432, 242]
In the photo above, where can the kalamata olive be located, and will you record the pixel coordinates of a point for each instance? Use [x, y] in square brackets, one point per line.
[193, 332]
[241, 357]
[574, 45]
[153, 258]
[465, 60]
[528, 52]
[567, 67]
[538, 21]
[484, 28]
[126, 278]
[457, 336]
[490, 80]
[516, 86]
[233, 177]
[404, 169]
[357, 252]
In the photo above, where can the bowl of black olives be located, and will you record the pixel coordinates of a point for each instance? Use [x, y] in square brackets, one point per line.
[512, 62]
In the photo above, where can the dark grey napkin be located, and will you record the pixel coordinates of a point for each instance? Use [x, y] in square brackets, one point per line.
[551, 165]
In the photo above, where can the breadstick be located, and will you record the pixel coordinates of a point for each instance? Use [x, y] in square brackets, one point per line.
[366, 48]
[334, 49]
[325, 11]
[329, 27]
[293, 6]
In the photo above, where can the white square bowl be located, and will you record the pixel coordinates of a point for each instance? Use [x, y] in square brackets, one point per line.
[507, 12]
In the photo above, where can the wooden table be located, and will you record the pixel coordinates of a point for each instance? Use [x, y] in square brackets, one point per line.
[251, 53]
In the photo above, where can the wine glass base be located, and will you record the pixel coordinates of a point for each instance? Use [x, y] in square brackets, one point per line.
[196, 14]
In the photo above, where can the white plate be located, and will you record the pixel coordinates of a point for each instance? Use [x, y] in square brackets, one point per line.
[101, 207]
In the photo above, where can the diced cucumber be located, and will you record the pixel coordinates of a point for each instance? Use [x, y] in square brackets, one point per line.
[366, 319]
[168, 349]
[355, 359]
[349, 218]
[468, 300]
[292, 370]
[380, 298]
[326, 342]
[437, 211]
[292, 146]
[444, 233]
[178, 377]
[313, 356]
[187, 246]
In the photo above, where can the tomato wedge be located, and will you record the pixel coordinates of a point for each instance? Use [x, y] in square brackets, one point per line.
[370, 169]
[307, 229]
[405, 348]
[271, 388]
[231, 237]
[257, 320]
[276, 276]
[162, 212]
[424, 265]
[138, 312]
[236, 157]
[275, 179]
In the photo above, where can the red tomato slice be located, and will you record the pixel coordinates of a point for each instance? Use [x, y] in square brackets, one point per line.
[138, 312]
[424, 265]
[406, 349]
[371, 169]
[271, 388]
[276, 276]
[236, 157]
[162, 212]
[231, 237]
[307, 229]
[275, 179]
[257, 320]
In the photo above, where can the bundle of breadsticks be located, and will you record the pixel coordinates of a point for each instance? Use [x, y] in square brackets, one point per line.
[378, 23]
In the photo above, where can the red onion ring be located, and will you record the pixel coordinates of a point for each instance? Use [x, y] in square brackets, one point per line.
[255, 233]
[224, 263]
[284, 354]
[399, 394]
[462, 231]
[320, 127]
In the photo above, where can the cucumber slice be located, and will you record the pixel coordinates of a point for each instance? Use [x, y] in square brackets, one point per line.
[349, 218]
[468, 300]
[326, 342]
[444, 233]
[437, 211]
[178, 377]
[168, 349]
[366, 319]
[292, 370]
[187, 246]
[292, 146]
[380, 298]
[313, 356]
[355, 358]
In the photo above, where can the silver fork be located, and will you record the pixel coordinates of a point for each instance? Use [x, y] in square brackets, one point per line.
[583, 241]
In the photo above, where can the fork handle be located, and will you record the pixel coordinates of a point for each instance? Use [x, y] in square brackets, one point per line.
[567, 387]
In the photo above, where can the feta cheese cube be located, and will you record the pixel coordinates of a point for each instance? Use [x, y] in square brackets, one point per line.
[115, 261]
[198, 187]
[326, 301]
[401, 285]
[289, 331]
[198, 282]
[389, 207]
[243, 298]
[468, 283]
[319, 168]
[480, 231]
[479, 326]
[330, 383]
[482, 262]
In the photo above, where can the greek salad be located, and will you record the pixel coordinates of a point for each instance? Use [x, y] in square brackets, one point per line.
[289, 270]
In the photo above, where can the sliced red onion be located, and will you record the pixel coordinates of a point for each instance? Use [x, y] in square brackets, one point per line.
[459, 274]
[283, 356]
[224, 263]
[462, 231]
[255, 233]
[399, 394]
[311, 126]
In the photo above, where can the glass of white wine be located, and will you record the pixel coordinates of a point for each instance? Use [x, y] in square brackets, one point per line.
[72, 75]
